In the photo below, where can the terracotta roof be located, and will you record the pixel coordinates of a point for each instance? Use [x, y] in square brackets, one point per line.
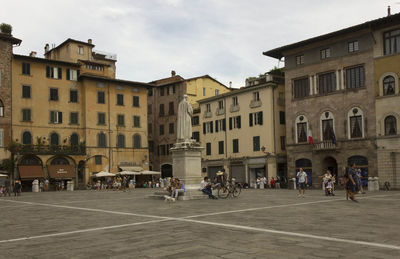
[377, 23]
[9, 37]
[207, 76]
[45, 60]
[168, 80]
[113, 80]
[74, 41]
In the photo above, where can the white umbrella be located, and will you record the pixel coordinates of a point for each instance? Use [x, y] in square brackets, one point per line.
[149, 172]
[127, 173]
[3, 175]
[103, 174]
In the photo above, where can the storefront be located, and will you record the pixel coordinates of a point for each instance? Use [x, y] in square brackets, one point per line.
[59, 176]
[238, 171]
[257, 169]
[28, 173]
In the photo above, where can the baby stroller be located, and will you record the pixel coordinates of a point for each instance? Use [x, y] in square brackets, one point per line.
[329, 188]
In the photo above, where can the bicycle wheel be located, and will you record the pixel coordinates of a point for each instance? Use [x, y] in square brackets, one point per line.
[236, 190]
[223, 192]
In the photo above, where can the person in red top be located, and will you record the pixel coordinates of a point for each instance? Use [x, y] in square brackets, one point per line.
[272, 182]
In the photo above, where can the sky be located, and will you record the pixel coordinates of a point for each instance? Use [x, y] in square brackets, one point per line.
[222, 38]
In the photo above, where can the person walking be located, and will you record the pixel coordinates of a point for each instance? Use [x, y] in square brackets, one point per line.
[7, 187]
[302, 178]
[352, 183]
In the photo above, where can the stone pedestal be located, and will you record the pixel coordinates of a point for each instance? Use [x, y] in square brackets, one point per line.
[186, 159]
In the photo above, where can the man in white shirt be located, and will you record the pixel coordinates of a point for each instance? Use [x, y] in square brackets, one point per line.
[302, 176]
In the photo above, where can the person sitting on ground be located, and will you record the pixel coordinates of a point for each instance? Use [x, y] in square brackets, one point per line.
[179, 188]
[206, 187]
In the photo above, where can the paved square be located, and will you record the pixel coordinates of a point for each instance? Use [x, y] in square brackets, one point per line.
[258, 224]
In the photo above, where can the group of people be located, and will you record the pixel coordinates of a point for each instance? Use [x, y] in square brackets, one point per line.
[174, 188]
[5, 189]
[262, 183]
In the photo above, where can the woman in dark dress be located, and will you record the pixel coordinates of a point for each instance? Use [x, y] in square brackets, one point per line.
[352, 187]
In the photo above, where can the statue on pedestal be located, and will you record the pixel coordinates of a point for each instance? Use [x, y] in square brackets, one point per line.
[184, 128]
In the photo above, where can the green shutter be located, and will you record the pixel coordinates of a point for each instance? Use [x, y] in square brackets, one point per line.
[238, 122]
[250, 119]
[59, 73]
[230, 123]
[260, 118]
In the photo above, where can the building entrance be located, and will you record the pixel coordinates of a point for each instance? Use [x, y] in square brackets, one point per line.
[166, 170]
[330, 164]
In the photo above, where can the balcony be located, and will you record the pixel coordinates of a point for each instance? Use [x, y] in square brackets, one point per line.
[234, 108]
[52, 150]
[255, 103]
[207, 115]
[324, 145]
[220, 111]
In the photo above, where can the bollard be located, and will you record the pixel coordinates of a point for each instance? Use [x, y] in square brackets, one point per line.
[35, 186]
[376, 183]
[371, 186]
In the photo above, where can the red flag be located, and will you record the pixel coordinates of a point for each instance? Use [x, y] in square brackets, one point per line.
[310, 139]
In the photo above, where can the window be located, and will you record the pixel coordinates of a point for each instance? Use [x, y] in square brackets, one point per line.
[300, 60]
[171, 89]
[120, 120]
[101, 140]
[355, 77]
[235, 145]
[26, 115]
[301, 88]
[74, 139]
[80, 50]
[208, 127]
[101, 97]
[234, 122]
[121, 140]
[72, 74]
[392, 42]
[73, 96]
[356, 126]
[171, 108]
[135, 101]
[120, 99]
[150, 128]
[53, 94]
[204, 91]
[97, 160]
[301, 132]
[150, 92]
[256, 143]
[353, 46]
[26, 91]
[327, 83]
[26, 68]
[53, 72]
[255, 118]
[94, 67]
[162, 150]
[1, 109]
[161, 91]
[161, 110]
[149, 109]
[325, 53]
[282, 117]
[221, 105]
[216, 92]
[136, 121]
[327, 129]
[256, 96]
[54, 139]
[27, 138]
[220, 125]
[195, 120]
[220, 147]
[171, 128]
[283, 143]
[161, 130]
[208, 149]
[388, 85]
[196, 136]
[55, 117]
[235, 101]
[137, 141]
[73, 118]
[151, 146]
[208, 107]
[101, 118]
[390, 125]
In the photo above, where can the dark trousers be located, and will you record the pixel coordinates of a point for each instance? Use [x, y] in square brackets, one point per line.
[208, 191]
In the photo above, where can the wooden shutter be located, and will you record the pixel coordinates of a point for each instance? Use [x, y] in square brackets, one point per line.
[230, 123]
[48, 73]
[59, 117]
[260, 118]
[224, 124]
[59, 73]
[68, 72]
[250, 119]
[211, 126]
[204, 128]
[238, 122]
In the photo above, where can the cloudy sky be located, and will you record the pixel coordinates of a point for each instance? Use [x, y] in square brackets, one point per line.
[222, 38]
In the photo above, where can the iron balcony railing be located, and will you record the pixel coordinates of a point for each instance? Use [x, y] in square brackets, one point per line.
[53, 149]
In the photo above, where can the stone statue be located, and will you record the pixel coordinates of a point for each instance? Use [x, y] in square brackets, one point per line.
[184, 128]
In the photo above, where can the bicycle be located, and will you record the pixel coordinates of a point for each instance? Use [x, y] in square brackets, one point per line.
[230, 188]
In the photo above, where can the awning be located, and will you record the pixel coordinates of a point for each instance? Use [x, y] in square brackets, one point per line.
[61, 171]
[30, 171]
[131, 168]
[147, 172]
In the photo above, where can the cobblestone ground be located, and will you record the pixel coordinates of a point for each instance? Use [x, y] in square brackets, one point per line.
[258, 224]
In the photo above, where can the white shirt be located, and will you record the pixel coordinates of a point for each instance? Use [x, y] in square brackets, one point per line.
[302, 176]
[203, 184]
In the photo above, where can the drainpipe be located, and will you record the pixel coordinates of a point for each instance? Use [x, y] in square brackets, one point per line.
[110, 160]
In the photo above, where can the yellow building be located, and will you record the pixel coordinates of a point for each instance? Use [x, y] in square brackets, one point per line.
[73, 118]
[243, 131]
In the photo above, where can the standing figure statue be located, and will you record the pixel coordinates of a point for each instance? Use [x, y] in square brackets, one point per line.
[184, 129]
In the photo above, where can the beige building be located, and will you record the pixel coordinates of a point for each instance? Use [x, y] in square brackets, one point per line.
[243, 131]
[163, 103]
[73, 118]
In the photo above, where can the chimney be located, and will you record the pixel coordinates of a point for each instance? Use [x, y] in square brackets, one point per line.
[388, 10]
[46, 48]
[89, 41]
[230, 84]
[173, 73]
[32, 54]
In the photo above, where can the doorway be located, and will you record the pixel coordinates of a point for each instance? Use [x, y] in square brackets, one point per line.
[330, 164]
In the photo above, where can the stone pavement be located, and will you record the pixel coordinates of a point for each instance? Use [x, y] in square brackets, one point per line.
[258, 224]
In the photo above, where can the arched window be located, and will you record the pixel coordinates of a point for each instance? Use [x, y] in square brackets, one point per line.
[27, 138]
[101, 139]
[356, 123]
[327, 127]
[137, 141]
[301, 129]
[59, 161]
[1, 109]
[54, 139]
[121, 140]
[390, 125]
[388, 85]
[74, 139]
